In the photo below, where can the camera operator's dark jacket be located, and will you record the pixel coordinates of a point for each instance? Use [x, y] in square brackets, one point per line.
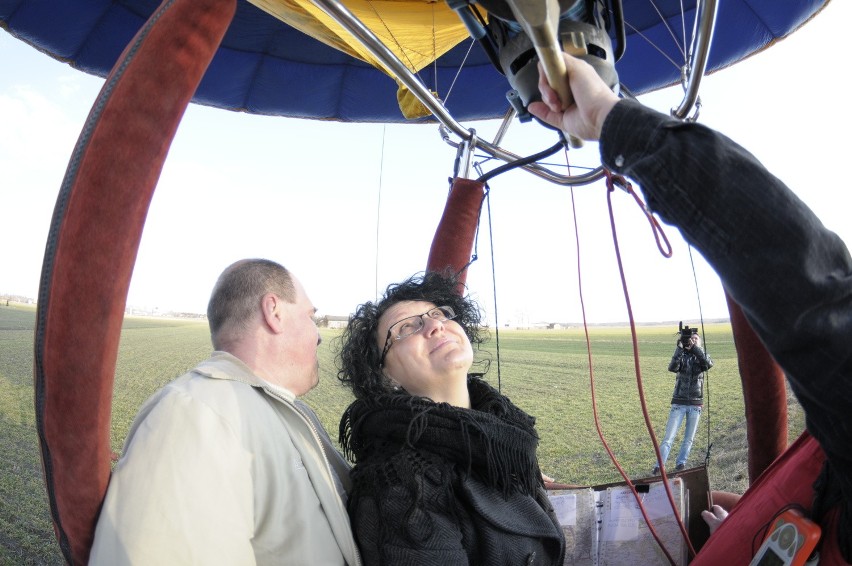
[690, 366]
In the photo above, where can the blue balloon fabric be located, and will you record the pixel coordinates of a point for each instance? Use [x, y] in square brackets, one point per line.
[266, 67]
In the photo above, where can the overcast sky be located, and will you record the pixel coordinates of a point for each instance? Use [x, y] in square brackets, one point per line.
[352, 207]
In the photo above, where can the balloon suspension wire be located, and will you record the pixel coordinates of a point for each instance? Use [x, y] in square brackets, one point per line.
[464, 60]
[411, 65]
[494, 288]
[458, 71]
[613, 181]
[402, 50]
[637, 32]
[379, 210]
[706, 351]
[446, 97]
[434, 52]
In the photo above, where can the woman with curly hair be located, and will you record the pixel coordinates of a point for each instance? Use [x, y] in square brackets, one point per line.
[445, 466]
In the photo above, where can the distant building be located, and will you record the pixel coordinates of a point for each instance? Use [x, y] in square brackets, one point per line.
[331, 321]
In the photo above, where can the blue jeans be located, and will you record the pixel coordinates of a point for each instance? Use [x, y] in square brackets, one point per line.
[676, 416]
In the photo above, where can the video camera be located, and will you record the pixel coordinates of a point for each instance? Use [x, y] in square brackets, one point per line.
[685, 333]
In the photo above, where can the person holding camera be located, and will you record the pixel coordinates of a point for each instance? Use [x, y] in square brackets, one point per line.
[689, 362]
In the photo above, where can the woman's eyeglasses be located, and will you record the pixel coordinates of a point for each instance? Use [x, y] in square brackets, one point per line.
[409, 325]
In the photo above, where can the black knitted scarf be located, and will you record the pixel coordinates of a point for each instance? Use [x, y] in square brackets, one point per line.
[494, 440]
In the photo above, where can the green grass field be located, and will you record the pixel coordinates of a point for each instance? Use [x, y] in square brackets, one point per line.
[544, 372]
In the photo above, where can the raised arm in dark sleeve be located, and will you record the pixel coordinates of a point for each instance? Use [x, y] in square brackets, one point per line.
[791, 275]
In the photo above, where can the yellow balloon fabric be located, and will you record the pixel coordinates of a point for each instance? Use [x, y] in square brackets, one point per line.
[416, 31]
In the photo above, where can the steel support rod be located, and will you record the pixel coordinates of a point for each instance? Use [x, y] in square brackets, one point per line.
[706, 23]
[337, 11]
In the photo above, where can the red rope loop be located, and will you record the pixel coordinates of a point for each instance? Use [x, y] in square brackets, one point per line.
[613, 181]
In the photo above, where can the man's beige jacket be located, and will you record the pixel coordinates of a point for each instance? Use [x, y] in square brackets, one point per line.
[220, 467]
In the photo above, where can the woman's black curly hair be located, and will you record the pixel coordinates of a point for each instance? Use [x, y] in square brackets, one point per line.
[360, 351]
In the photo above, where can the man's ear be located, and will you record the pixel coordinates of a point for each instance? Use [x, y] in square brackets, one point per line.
[271, 307]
